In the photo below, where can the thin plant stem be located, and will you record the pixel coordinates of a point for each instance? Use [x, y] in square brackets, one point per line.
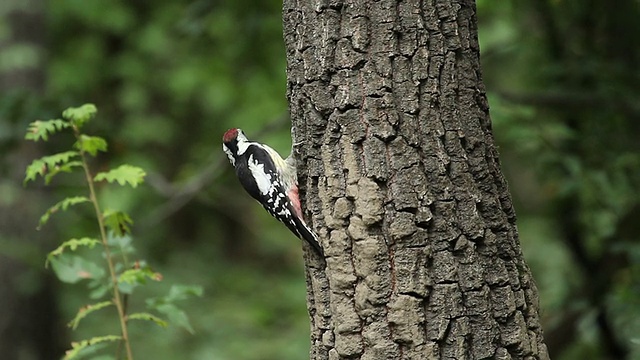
[117, 299]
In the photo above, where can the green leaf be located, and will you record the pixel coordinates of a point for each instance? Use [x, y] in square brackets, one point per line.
[72, 268]
[124, 174]
[176, 316]
[68, 167]
[80, 115]
[79, 346]
[37, 167]
[64, 205]
[148, 317]
[86, 310]
[176, 293]
[165, 304]
[59, 158]
[53, 163]
[183, 292]
[91, 144]
[100, 290]
[130, 279]
[42, 129]
[117, 221]
[72, 244]
[120, 245]
[139, 276]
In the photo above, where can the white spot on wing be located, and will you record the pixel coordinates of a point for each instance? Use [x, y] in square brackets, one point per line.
[263, 180]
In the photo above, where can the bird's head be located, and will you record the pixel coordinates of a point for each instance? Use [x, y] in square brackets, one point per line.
[231, 135]
[231, 141]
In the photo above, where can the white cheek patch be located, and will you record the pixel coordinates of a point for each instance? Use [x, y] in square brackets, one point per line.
[263, 180]
[229, 154]
[242, 147]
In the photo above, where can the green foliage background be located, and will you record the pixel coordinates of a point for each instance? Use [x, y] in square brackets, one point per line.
[169, 77]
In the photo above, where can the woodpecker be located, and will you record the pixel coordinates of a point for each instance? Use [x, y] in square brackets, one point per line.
[271, 180]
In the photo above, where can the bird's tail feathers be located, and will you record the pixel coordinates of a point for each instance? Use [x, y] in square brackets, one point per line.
[310, 237]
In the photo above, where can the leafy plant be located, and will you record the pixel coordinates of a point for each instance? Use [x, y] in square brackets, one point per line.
[120, 278]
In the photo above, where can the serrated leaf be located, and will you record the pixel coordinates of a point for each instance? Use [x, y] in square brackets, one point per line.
[86, 310]
[80, 115]
[37, 167]
[71, 268]
[91, 144]
[50, 163]
[42, 129]
[124, 174]
[77, 347]
[139, 276]
[130, 279]
[117, 221]
[72, 245]
[148, 317]
[59, 158]
[94, 353]
[67, 167]
[64, 205]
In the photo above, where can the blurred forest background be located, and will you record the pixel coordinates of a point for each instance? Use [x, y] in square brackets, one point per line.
[169, 77]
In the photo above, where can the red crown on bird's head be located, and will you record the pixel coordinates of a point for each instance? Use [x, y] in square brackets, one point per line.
[230, 135]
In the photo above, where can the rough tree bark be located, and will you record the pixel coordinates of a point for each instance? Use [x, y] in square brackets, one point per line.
[403, 184]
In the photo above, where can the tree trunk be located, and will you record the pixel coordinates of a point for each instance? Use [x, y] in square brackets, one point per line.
[403, 185]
